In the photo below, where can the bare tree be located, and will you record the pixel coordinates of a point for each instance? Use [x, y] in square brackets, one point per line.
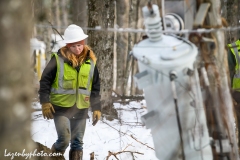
[79, 12]
[136, 21]
[56, 12]
[101, 14]
[16, 80]
[122, 13]
[43, 17]
[64, 5]
[230, 10]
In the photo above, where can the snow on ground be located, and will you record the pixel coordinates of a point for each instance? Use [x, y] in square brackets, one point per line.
[125, 134]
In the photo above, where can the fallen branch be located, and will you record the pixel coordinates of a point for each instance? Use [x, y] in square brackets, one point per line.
[123, 98]
[131, 109]
[127, 97]
[128, 135]
[37, 116]
[133, 123]
[38, 109]
[115, 154]
[141, 142]
[92, 156]
[114, 128]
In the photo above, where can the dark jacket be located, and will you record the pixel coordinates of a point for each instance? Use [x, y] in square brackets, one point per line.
[46, 81]
[231, 65]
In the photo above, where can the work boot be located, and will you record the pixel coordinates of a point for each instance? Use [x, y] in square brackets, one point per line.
[53, 149]
[75, 155]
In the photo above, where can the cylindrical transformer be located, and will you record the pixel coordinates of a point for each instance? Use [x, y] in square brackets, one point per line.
[176, 115]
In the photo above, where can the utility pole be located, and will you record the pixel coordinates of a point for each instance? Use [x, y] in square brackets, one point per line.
[219, 105]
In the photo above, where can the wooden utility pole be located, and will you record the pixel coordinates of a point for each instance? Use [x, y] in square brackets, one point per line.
[222, 81]
[219, 105]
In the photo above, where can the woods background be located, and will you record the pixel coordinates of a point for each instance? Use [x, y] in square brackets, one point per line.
[22, 20]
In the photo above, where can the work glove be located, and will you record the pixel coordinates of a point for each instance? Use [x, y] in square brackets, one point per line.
[47, 110]
[96, 117]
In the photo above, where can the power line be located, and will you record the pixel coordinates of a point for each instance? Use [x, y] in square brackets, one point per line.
[140, 30]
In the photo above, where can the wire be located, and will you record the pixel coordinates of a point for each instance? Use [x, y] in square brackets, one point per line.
[140, 30]
[172, 77]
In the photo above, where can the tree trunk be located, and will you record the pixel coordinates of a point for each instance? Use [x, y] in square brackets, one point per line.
[56, 13]
[232, 18]
[79, 12]
[16, 84]
[135, 21]
[43, 16]
[136, 37]
[101, 13]
[64, 14]
[122, 7]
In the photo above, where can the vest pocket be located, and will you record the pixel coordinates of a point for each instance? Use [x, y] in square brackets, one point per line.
[83, 80]
[69, 82]
[83, 101]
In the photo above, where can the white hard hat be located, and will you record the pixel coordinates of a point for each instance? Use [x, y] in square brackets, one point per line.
[74, 33]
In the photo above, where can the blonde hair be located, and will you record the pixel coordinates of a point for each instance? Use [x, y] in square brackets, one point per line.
[78, 59]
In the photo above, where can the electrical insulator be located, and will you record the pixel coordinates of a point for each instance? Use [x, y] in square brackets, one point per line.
[173, 22]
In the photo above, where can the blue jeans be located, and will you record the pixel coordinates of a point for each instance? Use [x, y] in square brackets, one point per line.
[69, 130]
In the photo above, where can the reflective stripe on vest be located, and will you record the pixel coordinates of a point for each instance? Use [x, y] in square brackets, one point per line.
[89, 78]
[60, 89]
[236, 79]
[237, 58]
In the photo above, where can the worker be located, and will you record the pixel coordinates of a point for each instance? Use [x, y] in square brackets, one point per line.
[234, 70]
[69, 85]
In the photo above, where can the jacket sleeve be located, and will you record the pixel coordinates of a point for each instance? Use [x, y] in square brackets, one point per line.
[95, 93]
[47, 78]
[231, 65]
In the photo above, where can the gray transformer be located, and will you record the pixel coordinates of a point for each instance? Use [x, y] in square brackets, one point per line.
[167, 75]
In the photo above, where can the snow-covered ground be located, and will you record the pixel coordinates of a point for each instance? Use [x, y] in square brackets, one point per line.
[125, 134]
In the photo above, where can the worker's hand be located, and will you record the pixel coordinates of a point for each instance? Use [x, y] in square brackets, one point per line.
[96, 117]
[47, 110]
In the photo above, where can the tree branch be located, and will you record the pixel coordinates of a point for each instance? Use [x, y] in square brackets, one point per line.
[115, 154]
[124, 97]
[128, 135]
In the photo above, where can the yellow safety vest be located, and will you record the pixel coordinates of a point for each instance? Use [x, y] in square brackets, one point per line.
[70, 86]
[234, 49]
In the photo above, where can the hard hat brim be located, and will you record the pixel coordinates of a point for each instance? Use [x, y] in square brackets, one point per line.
[75, 40]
